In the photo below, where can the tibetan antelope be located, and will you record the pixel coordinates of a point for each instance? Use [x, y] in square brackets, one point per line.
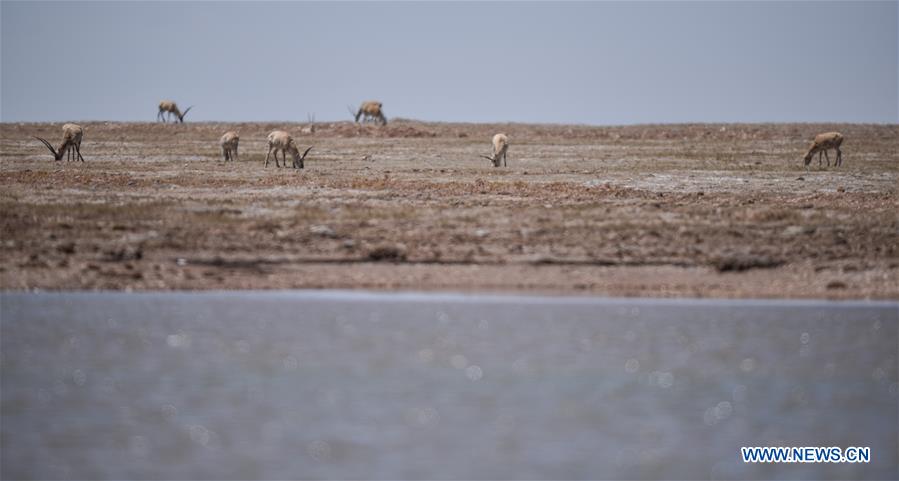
[71, 142]
[823, 143]
[171, 108]
[370, 110]
[229, 145]
[500, 146]
[281, 140]
[310, 128]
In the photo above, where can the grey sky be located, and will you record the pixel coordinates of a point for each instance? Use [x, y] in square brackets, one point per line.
[593, 63]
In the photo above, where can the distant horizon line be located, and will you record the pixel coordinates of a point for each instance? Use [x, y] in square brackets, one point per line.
[404, 119]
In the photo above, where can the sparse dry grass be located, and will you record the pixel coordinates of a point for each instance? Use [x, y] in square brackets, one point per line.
[683, 210]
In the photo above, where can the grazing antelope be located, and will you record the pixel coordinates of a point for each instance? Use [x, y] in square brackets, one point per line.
[309, 129]
[500, 146]
[229, 145]
[71, 142]
[370, 110]
[171, 108]
[823, 143]
[281, 140]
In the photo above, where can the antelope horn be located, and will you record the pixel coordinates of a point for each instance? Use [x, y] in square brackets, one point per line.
[55, 154]
[185, 113]
[306, 152]
[491, 159]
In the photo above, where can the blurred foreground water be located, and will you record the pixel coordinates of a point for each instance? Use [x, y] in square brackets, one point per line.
[349, 385]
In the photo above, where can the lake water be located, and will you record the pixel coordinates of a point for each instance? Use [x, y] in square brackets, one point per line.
[354, 385]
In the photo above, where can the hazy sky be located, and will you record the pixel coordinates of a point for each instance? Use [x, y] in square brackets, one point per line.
[593, 63]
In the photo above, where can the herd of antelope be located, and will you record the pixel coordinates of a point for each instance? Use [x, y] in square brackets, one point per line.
[370, 111]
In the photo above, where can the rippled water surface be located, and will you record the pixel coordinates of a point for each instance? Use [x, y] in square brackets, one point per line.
[286, 385]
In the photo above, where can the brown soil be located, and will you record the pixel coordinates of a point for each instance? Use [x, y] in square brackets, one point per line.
[658, 210]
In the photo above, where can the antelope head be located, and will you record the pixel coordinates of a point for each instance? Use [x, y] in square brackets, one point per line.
[298, 159]
[182, 114]
[494, 159]
[56, 155]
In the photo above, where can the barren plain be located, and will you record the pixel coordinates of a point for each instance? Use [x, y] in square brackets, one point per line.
[691, 210]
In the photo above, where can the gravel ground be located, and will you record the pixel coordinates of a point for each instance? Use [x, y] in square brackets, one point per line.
[696, 210]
